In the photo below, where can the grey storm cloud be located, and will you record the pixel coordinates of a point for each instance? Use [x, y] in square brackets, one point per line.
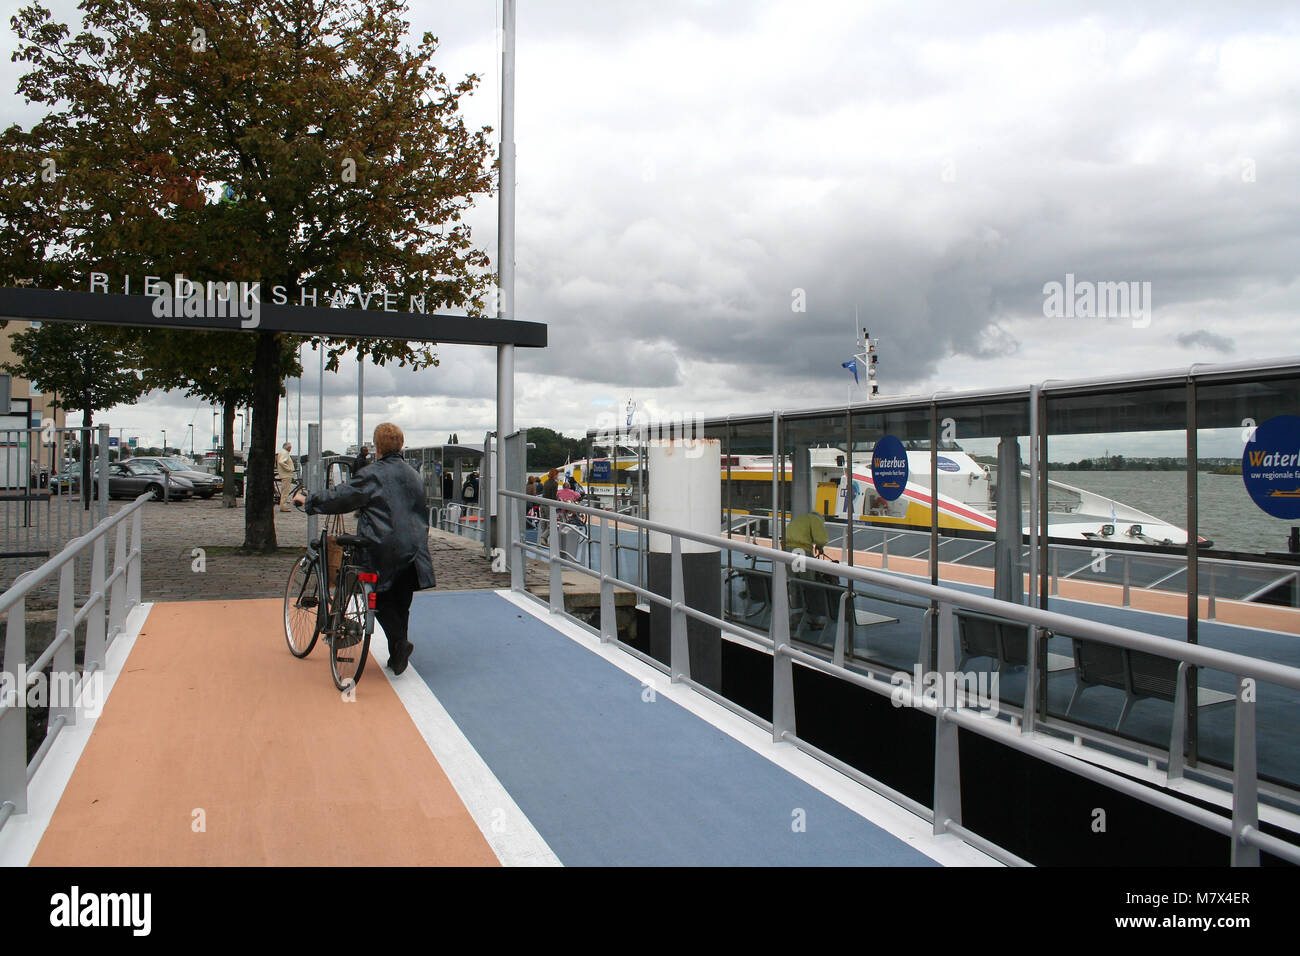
[1209, 340]
[688, 169]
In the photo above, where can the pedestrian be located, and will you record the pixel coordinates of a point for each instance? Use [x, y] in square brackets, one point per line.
[469, 493]
[393, 520]
[550, 489]
[284, 471]
[362, 459]
[448, 486]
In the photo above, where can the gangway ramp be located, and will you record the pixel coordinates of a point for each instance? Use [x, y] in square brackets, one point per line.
[512, 738]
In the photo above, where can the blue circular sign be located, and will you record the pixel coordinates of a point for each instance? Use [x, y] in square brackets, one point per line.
[1270, 467]
[889, 467]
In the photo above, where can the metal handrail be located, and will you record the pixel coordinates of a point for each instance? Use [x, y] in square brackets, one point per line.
[1243, 827]
[112, 597]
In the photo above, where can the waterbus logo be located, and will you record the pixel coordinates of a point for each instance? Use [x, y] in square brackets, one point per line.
[1098, 300]
[956, 689]
[1270, 467]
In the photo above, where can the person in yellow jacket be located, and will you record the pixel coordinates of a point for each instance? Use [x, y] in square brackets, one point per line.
[284, 472]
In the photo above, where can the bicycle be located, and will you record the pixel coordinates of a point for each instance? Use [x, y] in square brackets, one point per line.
[344, 613]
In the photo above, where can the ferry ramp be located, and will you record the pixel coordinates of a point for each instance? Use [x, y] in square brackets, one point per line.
[510, 739]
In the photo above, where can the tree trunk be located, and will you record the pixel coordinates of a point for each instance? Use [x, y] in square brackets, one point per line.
[228, 495]
[259, 470]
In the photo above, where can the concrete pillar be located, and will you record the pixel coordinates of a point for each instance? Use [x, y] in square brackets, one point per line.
[685, 493]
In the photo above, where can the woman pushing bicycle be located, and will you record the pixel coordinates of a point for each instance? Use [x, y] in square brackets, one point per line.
[393, 520]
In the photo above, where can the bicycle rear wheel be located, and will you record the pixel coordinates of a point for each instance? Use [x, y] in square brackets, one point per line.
[302, 596]
[350, 642]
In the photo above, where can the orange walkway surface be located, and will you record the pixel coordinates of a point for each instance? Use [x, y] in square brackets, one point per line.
[218, 748]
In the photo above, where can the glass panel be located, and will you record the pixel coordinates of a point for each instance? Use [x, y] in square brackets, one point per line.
[890, 528]
[983, 531]
[1248, 567]
[1117, 548]
[815, 450]
[747, 513]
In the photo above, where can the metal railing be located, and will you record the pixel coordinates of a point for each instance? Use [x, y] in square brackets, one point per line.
[111, 597]
[468, 521]
[1242, 828]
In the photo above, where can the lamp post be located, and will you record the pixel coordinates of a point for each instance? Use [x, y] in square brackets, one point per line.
[240, 416]
[164, 431]
[191, 439]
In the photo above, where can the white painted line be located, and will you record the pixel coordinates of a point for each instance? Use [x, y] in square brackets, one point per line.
[946, 849]
[508, 831]
[23, 833]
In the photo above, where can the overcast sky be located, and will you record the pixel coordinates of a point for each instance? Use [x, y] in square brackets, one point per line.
[689, 170]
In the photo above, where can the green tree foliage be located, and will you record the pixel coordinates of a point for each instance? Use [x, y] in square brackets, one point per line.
[342, 145]
[87, 367]
[551, 449]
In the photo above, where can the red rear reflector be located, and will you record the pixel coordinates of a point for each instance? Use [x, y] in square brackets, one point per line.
[368, 577]
[370, 599]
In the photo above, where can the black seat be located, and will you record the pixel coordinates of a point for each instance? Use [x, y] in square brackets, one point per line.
[756, 590]
[812, 604]
[350, 540]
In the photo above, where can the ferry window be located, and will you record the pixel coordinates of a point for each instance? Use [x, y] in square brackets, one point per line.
[1247, 568]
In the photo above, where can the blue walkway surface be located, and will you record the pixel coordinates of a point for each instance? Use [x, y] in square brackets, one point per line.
[609, 777]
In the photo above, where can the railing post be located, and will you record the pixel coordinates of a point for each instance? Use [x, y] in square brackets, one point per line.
[884, 549]
[1178, 728]
[557, 571]
[608, 622]
[103, 470]
[63, 669]
[837, 657]
[13, 719]
[1029, 714]
[97, 619]
[117, 602]
[679, 651]
[1056, 571]
[947, 761]
[1210, 616]
[924, 657]
[1245, 786]
[518, 561]
[783, 721]
[1126, 580]
[134, 559]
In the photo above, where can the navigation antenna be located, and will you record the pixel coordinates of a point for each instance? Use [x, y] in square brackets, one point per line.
[866, 358]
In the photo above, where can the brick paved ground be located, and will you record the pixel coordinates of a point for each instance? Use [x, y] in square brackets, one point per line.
[172, 531]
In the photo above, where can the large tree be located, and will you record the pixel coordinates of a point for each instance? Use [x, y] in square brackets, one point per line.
[341, 145]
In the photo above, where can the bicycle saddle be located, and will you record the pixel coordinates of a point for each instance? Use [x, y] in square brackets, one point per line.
[350, 540]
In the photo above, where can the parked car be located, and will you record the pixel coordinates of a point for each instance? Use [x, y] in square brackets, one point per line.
[134, 477]
[205, 485]
[67, 481]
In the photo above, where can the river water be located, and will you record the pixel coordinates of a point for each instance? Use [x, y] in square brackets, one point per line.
[1227, 515]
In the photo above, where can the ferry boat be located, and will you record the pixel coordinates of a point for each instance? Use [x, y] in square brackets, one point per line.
[966, 496]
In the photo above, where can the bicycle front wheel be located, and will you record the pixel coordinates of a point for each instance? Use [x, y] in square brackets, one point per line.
[302, 596]
[350, 642]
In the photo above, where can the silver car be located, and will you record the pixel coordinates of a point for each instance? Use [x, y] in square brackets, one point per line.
[205, 485]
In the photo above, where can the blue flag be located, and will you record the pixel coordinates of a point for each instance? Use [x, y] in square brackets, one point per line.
[852, 366]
